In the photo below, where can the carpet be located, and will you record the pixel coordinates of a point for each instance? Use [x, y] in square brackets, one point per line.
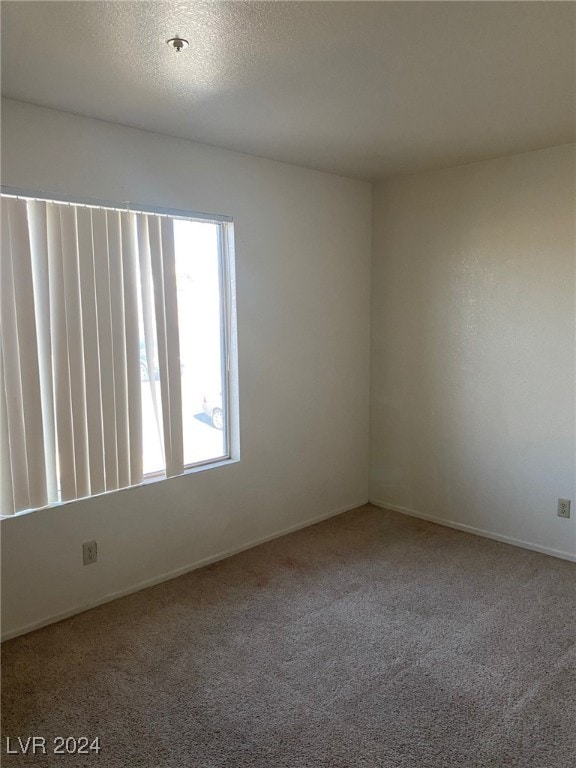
[368, 640]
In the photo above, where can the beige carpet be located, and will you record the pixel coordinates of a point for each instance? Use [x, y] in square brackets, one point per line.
[368, 640]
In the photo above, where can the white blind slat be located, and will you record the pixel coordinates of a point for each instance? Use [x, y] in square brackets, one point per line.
[75, 347]
[119, 347]
[11, 371]
[170, 301]
[59, 338]
[39, 253]
[6, 491]
[28, 352]
[148, 320]
[132, 336]
[91, 351]
[106, 346]
[160, 310]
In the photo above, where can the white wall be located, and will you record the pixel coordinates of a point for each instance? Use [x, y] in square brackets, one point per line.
[473, 355]
[473, 346]
[303, 243]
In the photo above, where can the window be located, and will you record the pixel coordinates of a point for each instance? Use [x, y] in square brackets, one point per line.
[116, 332]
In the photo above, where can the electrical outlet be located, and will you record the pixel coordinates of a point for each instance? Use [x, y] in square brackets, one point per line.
[90, 552]
[563, 507]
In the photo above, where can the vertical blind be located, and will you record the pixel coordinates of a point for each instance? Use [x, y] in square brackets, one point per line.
[77, 284]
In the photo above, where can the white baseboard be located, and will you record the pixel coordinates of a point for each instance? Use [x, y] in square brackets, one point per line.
[476, 531]
[173, 574]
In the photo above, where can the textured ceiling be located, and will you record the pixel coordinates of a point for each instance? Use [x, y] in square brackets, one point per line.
[363, 89]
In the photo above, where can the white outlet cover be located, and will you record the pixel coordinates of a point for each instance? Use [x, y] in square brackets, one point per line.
[564, 508]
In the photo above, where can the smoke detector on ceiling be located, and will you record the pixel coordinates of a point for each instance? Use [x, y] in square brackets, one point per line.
[178, 43]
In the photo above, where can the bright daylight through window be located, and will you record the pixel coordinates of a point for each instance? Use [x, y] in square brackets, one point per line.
[114, 357]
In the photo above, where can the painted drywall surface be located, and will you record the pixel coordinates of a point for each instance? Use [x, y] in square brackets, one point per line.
[303, 247]
[473, 346]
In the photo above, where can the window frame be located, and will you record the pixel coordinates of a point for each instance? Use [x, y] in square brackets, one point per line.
[229, 356]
